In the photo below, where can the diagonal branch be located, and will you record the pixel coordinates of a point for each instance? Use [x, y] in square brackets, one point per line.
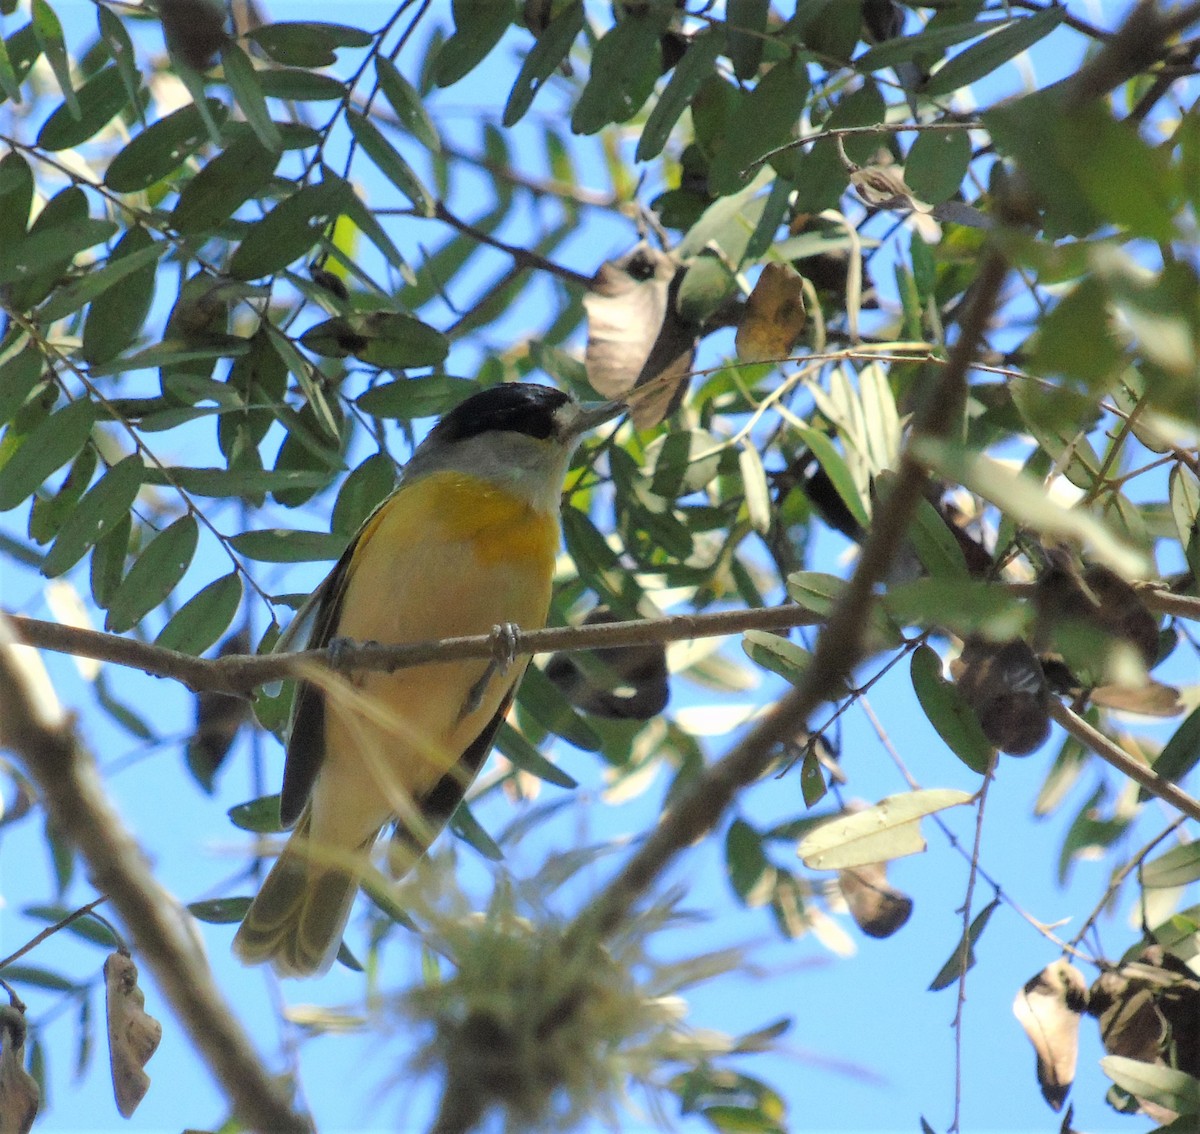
[42, 734]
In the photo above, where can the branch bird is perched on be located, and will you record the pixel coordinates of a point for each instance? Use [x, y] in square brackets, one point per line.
[465, 543]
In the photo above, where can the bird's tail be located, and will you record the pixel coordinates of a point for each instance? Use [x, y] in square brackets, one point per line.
[297, 919]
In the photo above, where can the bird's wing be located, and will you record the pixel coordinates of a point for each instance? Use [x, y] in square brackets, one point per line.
[435, 809]
[306, 729]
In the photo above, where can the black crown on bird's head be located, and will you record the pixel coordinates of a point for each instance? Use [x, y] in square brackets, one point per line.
[516, 407]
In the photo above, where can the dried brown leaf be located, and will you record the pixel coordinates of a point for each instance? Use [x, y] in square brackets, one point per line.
[774, 315]
[133, 1036]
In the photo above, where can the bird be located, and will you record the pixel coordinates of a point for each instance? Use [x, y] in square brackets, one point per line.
[465, 544]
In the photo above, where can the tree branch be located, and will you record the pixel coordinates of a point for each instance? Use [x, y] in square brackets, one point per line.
[42, 734]
[1123, 762]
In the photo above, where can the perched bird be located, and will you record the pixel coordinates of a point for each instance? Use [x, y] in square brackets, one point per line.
[465, 543]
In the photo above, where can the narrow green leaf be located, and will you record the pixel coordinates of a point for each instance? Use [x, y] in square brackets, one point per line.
[525, 756]
[117, 314]
[243, 81]
[159, 150]
[153, 576]
[201, 621]
[981, 59]
[286, 545]
[409, 399]
[120, 48]
[464, 824]
[51, 242]
[964, 606]
[52, 443]
[552, 47]
[104, 505]
[220, 911]
[38, 977]
[890, 829]
[746, 35]
[224, 184]
[777, 654]
[947, 710]
[406, 101]
[99, 279]
[933, 40]
[834, 466]
[16, 197]
[10, 84]
[20, 372]
[49, 33]
[261, 816]
[625, 65]
[937, 549]
[108, 560]
[747, 867]
[295, 84]
[307, 43]
[389, 161]
[937, 163]
[690, 72]
[86, 927]
[545, 703]
[1175, 1090]
[478, 26]
[1177, 867]
[361, 492]
[288, 231]
[758, 493]
[101, 98]
[962, 960]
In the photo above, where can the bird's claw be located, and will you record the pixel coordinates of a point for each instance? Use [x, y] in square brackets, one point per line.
[505, 639]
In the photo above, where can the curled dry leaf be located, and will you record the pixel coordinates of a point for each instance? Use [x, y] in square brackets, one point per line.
[1049, 1008]
[19, 1094]
[637, 336]
[133, 1036]
[774, 315]
[622, 682]
[878, 908]
[1005, 686]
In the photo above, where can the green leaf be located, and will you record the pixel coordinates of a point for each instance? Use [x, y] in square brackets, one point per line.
[104, 505]
[220, 911]
[38, 977]
[161, 149]
[625, 64]
[765, 118]
[1182, 752]
[87, 927]
[116, 314]
[386, 339]
[1023, 499]
[890, 829]
[294, 84]
[1185, 509]
[1177, 867]
[243, 81]
[52, 243]
[362, 491]
[464, 824]
[124, 262]
[937, 163]
[1175, 1090]
[201, 621]
[777, 654]
[406, 101]
[390, 163]
[947, 710]
[153, 576]
[224, 184]
[120, 49]
[20, 372]
[289, 230]
[937, 549]
[409, 399]
[964, 606]
[833, 464]
[690, 72]
[286, 545]
[10, 82]
[949, 973]
[307, 43]
[746, 35]
[545, 703]
[525, 756]
[552, 47]
[49, 34]
[261, 816]
[101, 98]
[16, 197]
[981, 59]
[51, 444]
[108, 560]
[758, 492]
[478, 26]
[905, 48]
[747, 867]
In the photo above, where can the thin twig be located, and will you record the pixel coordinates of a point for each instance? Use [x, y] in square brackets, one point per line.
[51, 930]
[1124, 763]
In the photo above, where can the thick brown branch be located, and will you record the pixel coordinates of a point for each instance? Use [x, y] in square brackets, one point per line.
[36, 728]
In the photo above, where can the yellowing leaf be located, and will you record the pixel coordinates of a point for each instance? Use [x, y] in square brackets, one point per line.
[774, 316]
[890, 829]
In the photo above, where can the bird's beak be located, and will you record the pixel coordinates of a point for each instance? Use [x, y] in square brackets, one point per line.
[592, 414]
